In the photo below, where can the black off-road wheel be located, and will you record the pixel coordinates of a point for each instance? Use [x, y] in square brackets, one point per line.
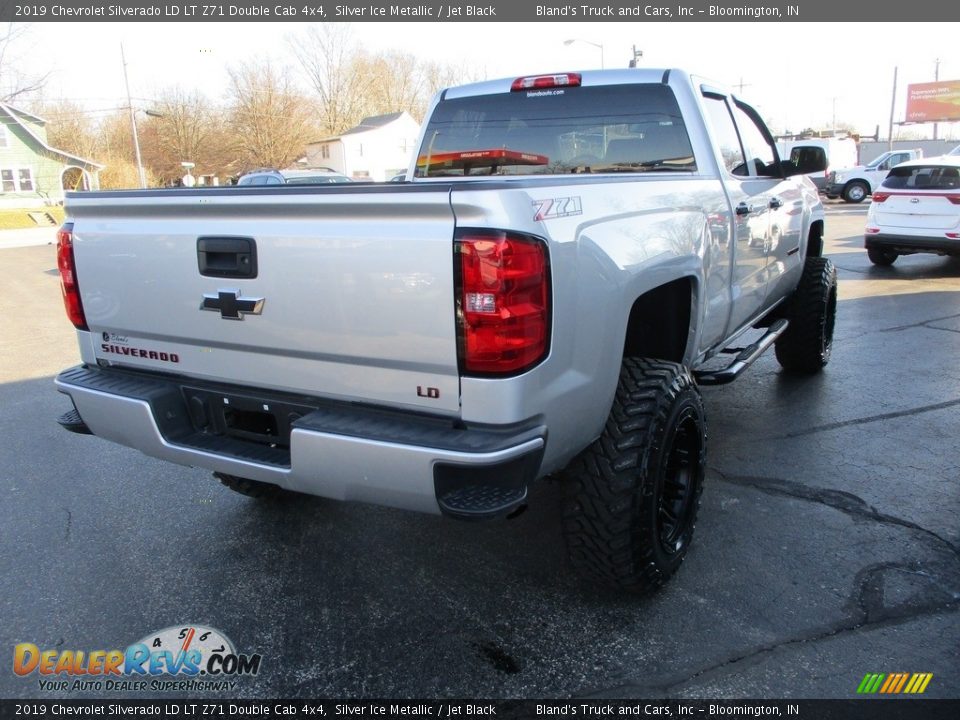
[250, 488]
[633, 495]
[812, 309]
[884, 258]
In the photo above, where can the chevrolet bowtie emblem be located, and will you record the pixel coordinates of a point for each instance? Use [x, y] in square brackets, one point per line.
[230, 305]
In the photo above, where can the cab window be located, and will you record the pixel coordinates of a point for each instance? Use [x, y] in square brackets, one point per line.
[761, 156]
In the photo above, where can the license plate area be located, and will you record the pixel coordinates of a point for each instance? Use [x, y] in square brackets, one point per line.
[264, 421]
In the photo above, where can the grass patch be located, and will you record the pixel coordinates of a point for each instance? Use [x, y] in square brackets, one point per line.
[18, 218]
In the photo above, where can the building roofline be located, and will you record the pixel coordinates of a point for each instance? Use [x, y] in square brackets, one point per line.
[368, 124]
[14, 114]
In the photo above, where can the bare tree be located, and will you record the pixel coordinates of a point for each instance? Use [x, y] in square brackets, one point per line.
[70, 127]
[352, 83]
[335, 67]
[270, 122]
[14, 82]
[184, 127]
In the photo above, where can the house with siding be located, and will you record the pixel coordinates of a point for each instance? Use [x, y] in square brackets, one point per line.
[376, 149]
[32, 173]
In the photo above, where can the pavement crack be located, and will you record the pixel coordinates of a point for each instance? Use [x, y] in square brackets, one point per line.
[922, 323]
[870, 419]
[670, 687]
[866, 608]
[68, 527]
[847, 503]
[944, 329]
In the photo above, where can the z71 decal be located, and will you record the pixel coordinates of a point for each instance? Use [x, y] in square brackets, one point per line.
[557, 208]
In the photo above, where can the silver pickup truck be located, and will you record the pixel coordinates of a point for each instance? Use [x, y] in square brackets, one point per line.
[540, 295]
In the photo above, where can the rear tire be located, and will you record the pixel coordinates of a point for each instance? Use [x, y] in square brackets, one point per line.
[812, 309]
[250, 488]
[883, 258]
[632, 504]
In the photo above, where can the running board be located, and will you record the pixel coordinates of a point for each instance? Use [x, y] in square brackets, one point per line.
[745, 359]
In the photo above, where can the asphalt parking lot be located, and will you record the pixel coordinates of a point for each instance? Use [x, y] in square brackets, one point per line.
[828, 545]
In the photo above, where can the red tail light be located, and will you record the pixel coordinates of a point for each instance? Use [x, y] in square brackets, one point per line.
[879, 197]
[68, 277]
[503, 302]
[536, 82]
[955, 199]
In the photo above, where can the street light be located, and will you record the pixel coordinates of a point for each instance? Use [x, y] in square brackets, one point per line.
[596, 45]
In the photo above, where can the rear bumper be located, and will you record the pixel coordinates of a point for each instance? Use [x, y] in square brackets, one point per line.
[335, 450]
[908, 244]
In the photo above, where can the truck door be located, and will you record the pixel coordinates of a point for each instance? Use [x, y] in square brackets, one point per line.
[749, 197]
[780, 215]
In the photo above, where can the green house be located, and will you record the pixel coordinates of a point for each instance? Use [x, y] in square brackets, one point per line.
[33, 174]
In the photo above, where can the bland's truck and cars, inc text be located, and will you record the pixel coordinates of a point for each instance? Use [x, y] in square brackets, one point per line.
[561, 270]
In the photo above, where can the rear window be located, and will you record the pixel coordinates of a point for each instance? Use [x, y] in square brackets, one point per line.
[623, 128]
[923, 177]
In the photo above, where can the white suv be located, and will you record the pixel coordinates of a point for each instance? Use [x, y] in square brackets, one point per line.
[916, 209]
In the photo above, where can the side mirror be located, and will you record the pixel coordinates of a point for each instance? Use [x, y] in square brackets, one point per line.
[790, 168]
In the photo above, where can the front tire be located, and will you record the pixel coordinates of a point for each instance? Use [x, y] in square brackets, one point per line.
[632, 504]
[812, 310]
[855, 192]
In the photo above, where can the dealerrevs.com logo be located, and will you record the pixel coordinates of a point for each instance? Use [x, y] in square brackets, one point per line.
[178, 658]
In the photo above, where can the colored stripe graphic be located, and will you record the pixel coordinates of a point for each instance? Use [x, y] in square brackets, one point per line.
[894, 683]
[870, 683]
[903, 681]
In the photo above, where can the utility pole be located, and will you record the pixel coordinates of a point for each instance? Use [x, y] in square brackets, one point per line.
[133, 122]
[936, 77]
[893, 104]
[637, 54]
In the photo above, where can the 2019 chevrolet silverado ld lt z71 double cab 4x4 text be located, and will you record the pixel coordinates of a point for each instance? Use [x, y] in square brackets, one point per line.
[541, 295]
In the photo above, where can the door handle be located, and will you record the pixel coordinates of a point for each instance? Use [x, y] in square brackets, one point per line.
[743, 209]
[775, 203]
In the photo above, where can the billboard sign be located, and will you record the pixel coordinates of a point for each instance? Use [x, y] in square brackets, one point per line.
[933, 102]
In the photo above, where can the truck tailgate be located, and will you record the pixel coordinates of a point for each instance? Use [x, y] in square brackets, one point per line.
[352, 296]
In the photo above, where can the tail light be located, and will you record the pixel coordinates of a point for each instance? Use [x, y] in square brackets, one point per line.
[68, 277]
[537, 82]
[879, 197]
[954, 199]
[503, 302]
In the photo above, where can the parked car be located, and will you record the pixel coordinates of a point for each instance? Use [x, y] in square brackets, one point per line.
[312, 176]
[916, 210]
[854, 184]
